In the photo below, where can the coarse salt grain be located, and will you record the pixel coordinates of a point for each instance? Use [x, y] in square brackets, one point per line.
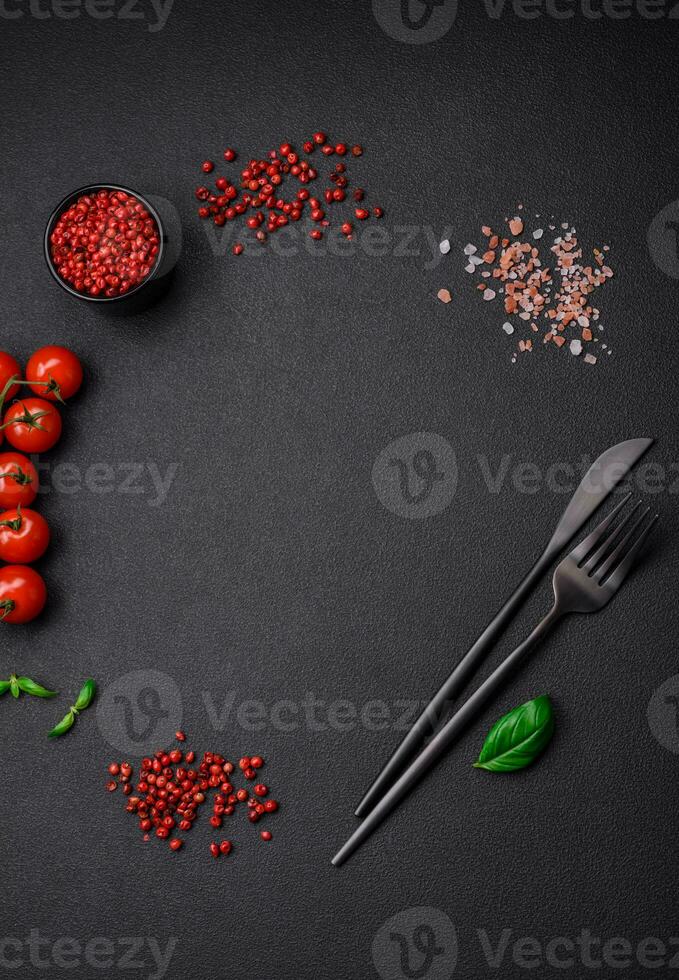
[444, 295]
[508, 328]
[444, 246]
[590, 359]
[470, 249]
[526, 286]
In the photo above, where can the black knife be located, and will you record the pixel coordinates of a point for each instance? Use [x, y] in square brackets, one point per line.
[599, 480]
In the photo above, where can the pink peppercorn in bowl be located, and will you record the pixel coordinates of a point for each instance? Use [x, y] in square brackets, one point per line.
[110, 246]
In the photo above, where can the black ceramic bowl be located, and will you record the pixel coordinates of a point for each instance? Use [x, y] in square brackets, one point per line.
[152, 288]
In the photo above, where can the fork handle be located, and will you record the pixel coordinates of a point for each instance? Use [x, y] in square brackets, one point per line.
[447, 735]
[451, 688]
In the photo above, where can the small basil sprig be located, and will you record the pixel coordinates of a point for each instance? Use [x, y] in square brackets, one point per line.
[83, 701]
[18, 684]
[518, 738]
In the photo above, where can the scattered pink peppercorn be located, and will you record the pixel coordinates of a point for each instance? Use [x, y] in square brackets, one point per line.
[261, 198]
[169, 797]
[207, 166]
[266, 835]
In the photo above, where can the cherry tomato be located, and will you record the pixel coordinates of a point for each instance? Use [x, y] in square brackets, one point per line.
[18, 480]
[24, 536]
[59, 367]
[32, 425]
[9, 367]
[22, 594]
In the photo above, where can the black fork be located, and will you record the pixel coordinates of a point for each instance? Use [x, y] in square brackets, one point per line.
[584, 582]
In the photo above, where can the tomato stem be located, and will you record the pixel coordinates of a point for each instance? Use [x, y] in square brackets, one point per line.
[19, 477]
[15, 523]
[28, 418]
[50, 386]
[7, 605]
[9, 384]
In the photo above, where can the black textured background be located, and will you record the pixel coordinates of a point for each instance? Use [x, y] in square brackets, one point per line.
[271, 570]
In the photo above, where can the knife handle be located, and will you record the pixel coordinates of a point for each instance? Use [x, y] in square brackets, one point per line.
[451, 688]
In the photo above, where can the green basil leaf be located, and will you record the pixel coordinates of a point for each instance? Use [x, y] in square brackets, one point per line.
[4, 686]
[14, 686]
[518, 738]
[86, 695]
[29, 686]
[64, 726]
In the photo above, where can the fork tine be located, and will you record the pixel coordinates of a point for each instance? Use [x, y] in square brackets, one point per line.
[620, 549]
[580, 553]
[619, 575]
[605, 546]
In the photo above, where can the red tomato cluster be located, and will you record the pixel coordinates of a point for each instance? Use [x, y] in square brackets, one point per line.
[32, 425]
